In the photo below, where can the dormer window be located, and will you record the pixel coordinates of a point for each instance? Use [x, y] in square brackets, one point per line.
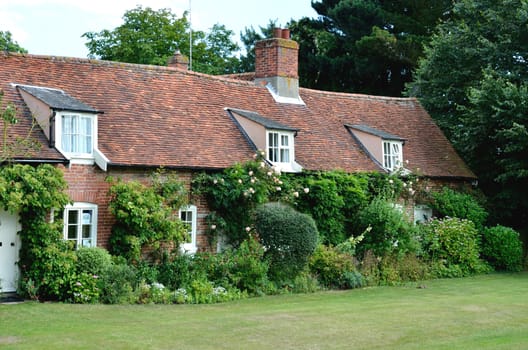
[275, 138]
[69, 124]
[77, 134]
[385, 149]
[280, 147]
[392, 155]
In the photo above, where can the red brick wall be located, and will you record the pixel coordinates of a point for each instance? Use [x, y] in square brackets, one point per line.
[276, 58]
[88, 184]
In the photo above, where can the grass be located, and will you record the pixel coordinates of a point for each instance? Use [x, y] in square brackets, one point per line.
[483, 312]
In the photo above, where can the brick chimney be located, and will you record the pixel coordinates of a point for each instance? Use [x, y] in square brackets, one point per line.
[276, 65]
[179, 61]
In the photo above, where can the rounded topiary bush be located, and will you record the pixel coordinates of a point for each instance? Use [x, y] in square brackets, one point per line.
[93, 260]
[502, 248]
[288, 236]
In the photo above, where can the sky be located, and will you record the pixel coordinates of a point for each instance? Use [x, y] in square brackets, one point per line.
[55, 27]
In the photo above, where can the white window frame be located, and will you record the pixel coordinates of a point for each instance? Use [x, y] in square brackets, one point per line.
[76, 157]
[189, 247]
[285, 143]
[392, 154]
[79, 240]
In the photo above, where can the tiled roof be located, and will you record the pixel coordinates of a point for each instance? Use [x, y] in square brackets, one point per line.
[159, 116]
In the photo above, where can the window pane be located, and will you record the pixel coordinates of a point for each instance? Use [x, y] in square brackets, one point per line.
[66, 133]
[85, 135]
[77, 134]
[284, 140]
[87, 217]
[285, 155]
[73, 217]
[86, 231]
[273, 149]
[72, 232]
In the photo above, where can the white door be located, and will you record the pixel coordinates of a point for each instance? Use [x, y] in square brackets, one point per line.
[9, 247]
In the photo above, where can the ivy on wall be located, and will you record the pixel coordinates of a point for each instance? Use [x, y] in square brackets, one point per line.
[332, 198]
[146, 216]
[46, 260]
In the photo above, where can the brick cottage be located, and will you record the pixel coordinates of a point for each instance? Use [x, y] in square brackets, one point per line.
[98, 119]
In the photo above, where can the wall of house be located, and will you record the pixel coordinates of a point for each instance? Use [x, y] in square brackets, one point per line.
[41, 111]
[88, 184]
[372, 143]
[255, 131]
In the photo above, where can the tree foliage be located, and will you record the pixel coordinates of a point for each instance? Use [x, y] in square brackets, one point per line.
[473, 82]
[148, 36]
[365, 46]
[8, 44]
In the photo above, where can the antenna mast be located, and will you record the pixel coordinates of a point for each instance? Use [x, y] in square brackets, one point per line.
[190, 36]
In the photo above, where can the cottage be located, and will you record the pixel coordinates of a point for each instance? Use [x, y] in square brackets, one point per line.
[98, 118]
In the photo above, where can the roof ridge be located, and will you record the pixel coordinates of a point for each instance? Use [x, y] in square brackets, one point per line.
[134, 66]
[359, 95]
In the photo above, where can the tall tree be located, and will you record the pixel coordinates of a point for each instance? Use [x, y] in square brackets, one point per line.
[8, 44]
[215, 52]
[151, 37]
[473, 82]
[249, 37]
[368, 46]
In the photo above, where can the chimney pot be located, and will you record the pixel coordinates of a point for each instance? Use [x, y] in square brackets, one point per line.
[277, 32]
[285, 34]
[179, 61]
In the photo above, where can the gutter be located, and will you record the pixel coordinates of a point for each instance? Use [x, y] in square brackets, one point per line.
[37, 161]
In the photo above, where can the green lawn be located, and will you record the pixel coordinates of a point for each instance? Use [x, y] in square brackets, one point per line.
[484, 312]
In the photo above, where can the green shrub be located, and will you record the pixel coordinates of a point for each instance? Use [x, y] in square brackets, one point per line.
[333, 199]
[146, 273]
[332, 268]
[450, 203]
[290, 238]
[452, 241]
[386, 229]
[248, 268]
[84, 288]
[396, 269]
[154, 293]
[244, 268]
[117, 284]
[369, 268]
[53, 271]
[305, 282]
[502, 248]
[353, 279]
[177, 273]
[93, 260]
